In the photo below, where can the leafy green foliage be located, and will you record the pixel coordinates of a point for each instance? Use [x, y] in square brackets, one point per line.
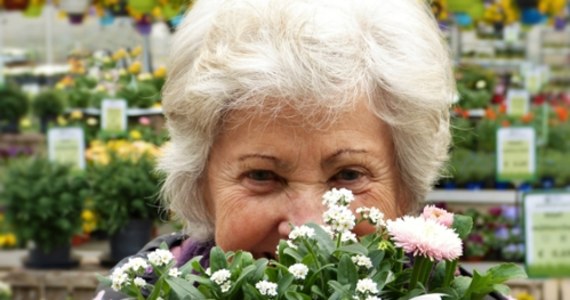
[141, 95]
[124, 189]
[44, 201]
[49, 103]
[13, 103]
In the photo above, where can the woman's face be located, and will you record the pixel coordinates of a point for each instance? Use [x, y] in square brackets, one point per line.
[265, 175]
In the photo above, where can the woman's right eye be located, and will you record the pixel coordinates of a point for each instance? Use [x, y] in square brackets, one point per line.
[261, 175]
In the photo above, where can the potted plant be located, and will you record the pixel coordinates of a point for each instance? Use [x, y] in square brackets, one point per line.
[126, 206]
[13, 106]
[47, 105]
[44, 203]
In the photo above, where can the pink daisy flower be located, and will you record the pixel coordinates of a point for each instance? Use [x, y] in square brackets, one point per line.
[425, 237]
[441, 216]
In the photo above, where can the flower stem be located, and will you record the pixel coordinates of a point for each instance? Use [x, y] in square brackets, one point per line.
[316, 258]
[426, 271]
[450, 267]
[416, 270]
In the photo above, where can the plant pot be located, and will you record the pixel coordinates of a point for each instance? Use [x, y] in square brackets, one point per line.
[130, 239]
[57, 258]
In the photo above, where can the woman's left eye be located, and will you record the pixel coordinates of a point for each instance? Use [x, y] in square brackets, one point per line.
[347, 175]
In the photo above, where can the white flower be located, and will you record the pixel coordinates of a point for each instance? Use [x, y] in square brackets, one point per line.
[299, 271]
[362, 261]
[160, 257]
[329, 231]
[119, 279]
[139, 282]
[225, 287]
[348, 236]
[340, 218]
[174, 272]
[291, 245]
[208, 271]
[366, 286]
[301, 232]
[135, 264]
[221, 276]
[336, 196]
[267, 288]
[376, 217]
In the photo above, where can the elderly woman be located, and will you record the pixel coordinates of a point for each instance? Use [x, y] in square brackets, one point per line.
[270, 103]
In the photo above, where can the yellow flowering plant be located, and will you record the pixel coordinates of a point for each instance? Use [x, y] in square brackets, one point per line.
[132, 192]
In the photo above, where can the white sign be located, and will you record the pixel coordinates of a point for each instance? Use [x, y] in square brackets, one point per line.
[518, 102]
[114, 115]
[511, 33]
[67, 146]
[547, 234]
[516, 153]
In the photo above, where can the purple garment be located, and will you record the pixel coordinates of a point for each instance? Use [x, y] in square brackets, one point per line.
[190, 249]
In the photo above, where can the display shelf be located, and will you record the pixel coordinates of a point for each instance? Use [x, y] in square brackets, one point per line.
[131, 112]
[473, 196]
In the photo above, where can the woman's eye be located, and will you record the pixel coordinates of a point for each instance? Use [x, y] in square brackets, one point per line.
[347, 175]
[261, 175]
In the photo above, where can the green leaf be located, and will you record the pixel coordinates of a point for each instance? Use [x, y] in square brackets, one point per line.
[326, 244]
[284, 283]
[347, 272]
[506, 271]
[294, 254]
[461, 284]
[290, 295]
[352, 249]
[462, 225]
[181, 288]
[217, 259]
[340, 291]
[502, 288]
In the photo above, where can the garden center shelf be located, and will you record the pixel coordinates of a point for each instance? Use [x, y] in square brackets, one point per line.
[474, 196]
[131, 112]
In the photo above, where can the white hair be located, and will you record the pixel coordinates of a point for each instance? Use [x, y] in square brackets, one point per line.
[317, 56]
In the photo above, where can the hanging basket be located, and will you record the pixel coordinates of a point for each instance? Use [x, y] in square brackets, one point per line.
[142, 6]
[34, 10]
[16, 4]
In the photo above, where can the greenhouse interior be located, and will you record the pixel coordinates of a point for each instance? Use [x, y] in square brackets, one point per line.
[121, 122]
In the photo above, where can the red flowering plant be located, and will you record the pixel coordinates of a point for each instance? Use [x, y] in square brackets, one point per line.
[412, 257]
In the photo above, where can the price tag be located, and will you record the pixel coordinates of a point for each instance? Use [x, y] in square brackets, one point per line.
[533, 80]
[114, 115]
[516, 153]
[517, 102]
[67, 146]
[547, 234]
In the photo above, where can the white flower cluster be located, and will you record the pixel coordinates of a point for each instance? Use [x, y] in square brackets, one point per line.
[366, 287]
[267, 288]
[299, 271]
[340, 218]
[123, 275]
[174, 272]
[160, 257]
[373, 215]
[362, 261]
[139, 282]
[336, 197]
[301, 232]
[222, 278]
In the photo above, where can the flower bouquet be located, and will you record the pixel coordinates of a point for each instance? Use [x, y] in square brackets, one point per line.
[406, 258]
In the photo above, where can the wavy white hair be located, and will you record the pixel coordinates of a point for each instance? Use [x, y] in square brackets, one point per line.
[317, 56]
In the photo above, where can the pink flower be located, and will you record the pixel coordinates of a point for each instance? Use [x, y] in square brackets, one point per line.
[441, 216]
[425, 237]
[144, 121]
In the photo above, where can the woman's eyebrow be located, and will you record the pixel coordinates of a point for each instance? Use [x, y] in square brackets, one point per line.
[345, 151]
[258, 156]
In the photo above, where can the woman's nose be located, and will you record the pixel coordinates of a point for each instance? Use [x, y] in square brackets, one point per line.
[302, 207]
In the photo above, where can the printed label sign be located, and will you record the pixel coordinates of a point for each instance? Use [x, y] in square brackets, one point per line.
[114, 115]
[517, 102]
[67, 146]
[516, 147]
[547, 234]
